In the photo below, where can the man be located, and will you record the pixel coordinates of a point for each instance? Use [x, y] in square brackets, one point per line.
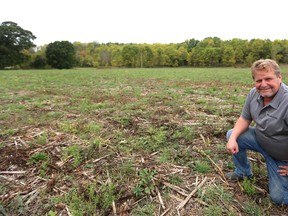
[266, 105]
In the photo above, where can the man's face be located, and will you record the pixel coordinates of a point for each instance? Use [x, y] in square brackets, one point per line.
[267, 83]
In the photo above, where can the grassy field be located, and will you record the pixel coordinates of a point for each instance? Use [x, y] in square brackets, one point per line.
[125, 142]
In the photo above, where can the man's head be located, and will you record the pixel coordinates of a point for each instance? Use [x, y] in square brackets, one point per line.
[267, 77]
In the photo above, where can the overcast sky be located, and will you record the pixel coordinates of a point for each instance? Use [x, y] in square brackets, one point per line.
[147, 21]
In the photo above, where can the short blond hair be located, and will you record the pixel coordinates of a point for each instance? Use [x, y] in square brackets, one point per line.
[265, 64]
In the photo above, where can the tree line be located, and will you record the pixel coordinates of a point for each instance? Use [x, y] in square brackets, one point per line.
[209, 52]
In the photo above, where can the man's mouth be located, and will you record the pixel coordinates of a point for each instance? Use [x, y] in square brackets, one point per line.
[264, 89]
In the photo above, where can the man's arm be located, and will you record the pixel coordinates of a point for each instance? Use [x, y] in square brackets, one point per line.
[241, 126]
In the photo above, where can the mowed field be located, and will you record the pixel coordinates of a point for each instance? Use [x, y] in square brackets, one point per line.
[125, 142]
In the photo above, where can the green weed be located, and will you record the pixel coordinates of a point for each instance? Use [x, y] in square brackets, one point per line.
[94, 147]
[165, 155]
[52, 213]
[145, 184]
[41, 159]
[90, 199]
[37, 157]
[215, 196]
[8, 132]
[127, 169]
[251, 208]
[42, 139]
[175, 179]
[145, 208]
[186, 132]
[75, 152]
[68, 127]
[248, 185]
[202, 166]
[183, 157]
[213, 210]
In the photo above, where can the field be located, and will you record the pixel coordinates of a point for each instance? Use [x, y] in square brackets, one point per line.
[125, 142]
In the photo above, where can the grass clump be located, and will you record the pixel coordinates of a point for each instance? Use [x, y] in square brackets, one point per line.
[248, 185]
[202, 166]
[219, 201]
[89, 199]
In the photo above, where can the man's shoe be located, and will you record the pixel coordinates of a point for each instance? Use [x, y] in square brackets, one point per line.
[233, 177]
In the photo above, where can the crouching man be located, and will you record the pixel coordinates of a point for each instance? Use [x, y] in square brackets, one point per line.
[267, 106]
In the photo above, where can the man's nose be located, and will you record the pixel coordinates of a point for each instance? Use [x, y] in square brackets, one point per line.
[263, 83]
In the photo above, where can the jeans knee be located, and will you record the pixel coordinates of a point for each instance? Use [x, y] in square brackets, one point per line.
[278, 197]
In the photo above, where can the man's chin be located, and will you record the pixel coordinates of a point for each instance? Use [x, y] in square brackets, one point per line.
[268, 95]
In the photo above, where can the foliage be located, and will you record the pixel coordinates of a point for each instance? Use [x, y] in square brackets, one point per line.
[60, 54]
[15, 50]
[39, 62]
[210, 52]
[14, 41]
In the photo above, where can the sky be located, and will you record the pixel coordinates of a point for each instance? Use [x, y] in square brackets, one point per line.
[147, 21]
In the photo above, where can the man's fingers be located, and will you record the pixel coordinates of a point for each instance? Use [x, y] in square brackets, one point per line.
[283, 170]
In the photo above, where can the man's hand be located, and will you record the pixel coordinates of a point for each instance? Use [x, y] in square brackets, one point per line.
[283, 170]
[232, 147]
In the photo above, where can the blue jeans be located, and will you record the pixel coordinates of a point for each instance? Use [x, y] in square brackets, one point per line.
[278, 185]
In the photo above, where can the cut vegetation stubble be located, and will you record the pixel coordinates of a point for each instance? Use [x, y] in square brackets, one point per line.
[125, 142]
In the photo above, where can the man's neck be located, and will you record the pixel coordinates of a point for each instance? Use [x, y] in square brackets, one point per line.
[267, 100]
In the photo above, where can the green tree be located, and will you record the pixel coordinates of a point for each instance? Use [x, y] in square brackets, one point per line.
[196, 57]
[285, 51]
[277, 51]
[190, 44]
[146, 55]
[228, 56]
[60, 54]
[240, 49]
[116, 60]
[182, 56]
[38, 62]
[14, 43]
[171, 55]
[212, 57]
[160, 57]
[38, 58]
[131, 55]
[258, 49]
[210, 42]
